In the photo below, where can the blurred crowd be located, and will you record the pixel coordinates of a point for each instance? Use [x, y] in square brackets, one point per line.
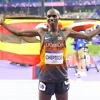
[95, 14]
[76, 15]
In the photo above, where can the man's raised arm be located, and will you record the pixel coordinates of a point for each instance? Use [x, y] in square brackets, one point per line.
[28, 33]
[85, 35]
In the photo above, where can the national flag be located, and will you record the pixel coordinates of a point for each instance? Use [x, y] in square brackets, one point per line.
[18, 48]
[23, 49]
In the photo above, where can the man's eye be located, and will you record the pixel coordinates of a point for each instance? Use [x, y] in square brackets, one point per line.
[48, 16]
[54, 16]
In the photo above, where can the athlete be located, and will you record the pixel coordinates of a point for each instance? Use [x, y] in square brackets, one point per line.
[53, 77]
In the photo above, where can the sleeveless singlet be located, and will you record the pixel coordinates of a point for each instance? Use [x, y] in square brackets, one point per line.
[53, 58]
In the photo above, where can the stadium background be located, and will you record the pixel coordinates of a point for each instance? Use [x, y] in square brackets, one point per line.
[68, 8]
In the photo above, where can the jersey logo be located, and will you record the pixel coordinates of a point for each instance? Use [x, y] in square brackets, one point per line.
[46, 38]
[67, 82]
[60, 38]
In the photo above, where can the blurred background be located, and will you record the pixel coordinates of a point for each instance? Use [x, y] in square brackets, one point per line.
[68, 8]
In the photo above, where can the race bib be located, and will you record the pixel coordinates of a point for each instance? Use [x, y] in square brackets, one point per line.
[54, 58]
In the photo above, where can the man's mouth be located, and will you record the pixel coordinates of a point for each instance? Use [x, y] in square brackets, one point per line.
[52, 22]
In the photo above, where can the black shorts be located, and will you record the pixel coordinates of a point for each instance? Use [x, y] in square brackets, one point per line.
[54, 87]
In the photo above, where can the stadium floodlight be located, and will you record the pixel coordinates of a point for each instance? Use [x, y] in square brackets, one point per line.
[42, 8]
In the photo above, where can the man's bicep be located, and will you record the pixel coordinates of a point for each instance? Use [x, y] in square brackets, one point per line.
[29, 33]
[78, 35]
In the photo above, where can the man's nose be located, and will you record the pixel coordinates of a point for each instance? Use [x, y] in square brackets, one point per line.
[51, 17]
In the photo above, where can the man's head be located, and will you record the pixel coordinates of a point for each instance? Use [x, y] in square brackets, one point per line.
[52, 17]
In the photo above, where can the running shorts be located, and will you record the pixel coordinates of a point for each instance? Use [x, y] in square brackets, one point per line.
[51, 88]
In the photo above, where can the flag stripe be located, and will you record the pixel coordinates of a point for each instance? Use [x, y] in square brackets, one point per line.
[27, 59]
[23, 48]
[24, 24]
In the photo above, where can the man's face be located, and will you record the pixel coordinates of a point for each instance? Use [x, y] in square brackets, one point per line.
[52, 18]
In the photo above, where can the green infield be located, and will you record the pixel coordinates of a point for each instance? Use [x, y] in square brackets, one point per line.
[93, 49]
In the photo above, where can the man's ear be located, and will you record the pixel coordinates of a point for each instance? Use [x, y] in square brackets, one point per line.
[58, 16]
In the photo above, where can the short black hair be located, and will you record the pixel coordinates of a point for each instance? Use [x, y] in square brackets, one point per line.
[54, 10]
